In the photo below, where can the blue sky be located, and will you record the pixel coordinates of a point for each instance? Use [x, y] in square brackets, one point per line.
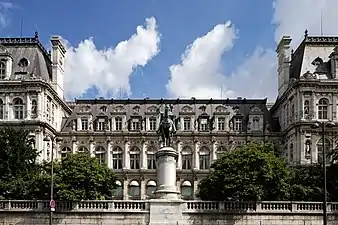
[249, 52]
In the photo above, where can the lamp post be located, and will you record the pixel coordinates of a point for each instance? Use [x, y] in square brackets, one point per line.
[323, 125]
[48, 139]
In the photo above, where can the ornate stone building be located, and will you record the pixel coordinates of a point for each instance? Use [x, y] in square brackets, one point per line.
[122, 133]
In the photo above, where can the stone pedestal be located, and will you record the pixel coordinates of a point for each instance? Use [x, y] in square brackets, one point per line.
[166, 174]
[164, 211]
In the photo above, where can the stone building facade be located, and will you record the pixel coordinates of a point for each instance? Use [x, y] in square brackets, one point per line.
[122, 132]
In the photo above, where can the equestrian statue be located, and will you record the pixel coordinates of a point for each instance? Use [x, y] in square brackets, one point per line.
[167, 126]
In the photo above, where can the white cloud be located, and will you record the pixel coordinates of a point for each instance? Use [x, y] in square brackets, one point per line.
[257, 76]
[109, 70]
[4, 7]
[200, 72]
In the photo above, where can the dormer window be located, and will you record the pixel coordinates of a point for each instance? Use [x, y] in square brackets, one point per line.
[187, 124]
[23, 63]
[101, 123]
[135, 124]
[2, 70]
[203, 124]
[255, 123]
[238, 126]
[103, 109]
[221, 124]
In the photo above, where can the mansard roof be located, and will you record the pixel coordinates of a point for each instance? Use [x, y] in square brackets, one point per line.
[31, 49]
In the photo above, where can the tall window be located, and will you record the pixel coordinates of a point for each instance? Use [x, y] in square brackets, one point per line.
[221, 124]
[134, 189]
[135, 124]
[186, 124]
[135, 158]
[327, 146]
[204, 124]
[53, 113]
[255, 123]
[238, 124]
[100, 154]
[65, 151]
[82, 149]
[18, 108]
[151, 187]
[186, 158]
[152, 123]
[117, 158]
[84, 123]
[1, 109]
[118, 123]
[119, 189]
[101, 123]
[2, 70]
[186, 189]
[220, 151]
[323, 106]
[151, 160]
[204, 158]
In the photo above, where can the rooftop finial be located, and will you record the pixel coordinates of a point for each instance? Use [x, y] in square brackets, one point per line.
[306, 33]
[36, 35]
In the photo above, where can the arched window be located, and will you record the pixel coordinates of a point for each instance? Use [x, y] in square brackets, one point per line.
[117, 158]
[186, 158]
[2, 70]
[65, 151]
[220, 151]
[1, 109]
[204, 158]
[323, 106]
[327, 146]
[119, 189]
[134, 189]
[151, 160]
[186, 189]
[82, 149]
[291, 152]
[18, 108]
[100, 154]
[151, 187]
[135, 158]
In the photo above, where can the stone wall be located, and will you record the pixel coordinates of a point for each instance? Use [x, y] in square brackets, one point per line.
[166, 212]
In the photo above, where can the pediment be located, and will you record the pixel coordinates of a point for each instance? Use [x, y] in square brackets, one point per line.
[256, 109]
[136, 109]
[119, 108]
[187, 109]
[152, 109]
[221, 109]
[85, 108]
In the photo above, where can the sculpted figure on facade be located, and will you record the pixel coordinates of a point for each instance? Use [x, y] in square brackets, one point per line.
[307, 148]
[167, 127]
[231, 125]
[108, 125]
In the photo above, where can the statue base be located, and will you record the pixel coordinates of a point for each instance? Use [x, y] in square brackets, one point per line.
[166, 174]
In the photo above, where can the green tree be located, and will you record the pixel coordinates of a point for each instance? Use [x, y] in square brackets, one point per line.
[307, 183]
[77, 177]
[18, 167]
[250, 173]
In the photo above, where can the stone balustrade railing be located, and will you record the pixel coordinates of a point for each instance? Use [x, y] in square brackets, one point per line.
[188, 207]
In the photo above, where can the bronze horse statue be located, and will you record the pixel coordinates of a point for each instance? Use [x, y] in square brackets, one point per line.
[167, 127]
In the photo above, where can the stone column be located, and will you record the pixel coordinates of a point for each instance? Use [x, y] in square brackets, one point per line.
[166, 174]
[126, 163]
[196, 164]
[28, 106]
[144, 156]
[179, 152]
[109, 154]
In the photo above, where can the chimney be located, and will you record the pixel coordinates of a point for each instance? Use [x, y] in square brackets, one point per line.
[283, 64]
[58, 59]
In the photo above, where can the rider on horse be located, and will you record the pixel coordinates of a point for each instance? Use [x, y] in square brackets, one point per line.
[167, 127]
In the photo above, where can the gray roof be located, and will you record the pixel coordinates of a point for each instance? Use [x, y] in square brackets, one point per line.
[31, 49]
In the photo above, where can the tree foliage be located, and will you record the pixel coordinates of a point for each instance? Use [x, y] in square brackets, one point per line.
[78, 177]
[18, 167]
[251, 172]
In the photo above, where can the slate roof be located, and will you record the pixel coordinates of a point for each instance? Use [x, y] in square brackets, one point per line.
[29, 48]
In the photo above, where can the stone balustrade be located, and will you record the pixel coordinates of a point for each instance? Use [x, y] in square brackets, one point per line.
[188, 206]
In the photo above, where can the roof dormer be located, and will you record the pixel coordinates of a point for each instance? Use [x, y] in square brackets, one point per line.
[6, 62]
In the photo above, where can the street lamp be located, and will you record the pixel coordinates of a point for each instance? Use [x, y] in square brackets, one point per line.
[48, 139]
[323, 125]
